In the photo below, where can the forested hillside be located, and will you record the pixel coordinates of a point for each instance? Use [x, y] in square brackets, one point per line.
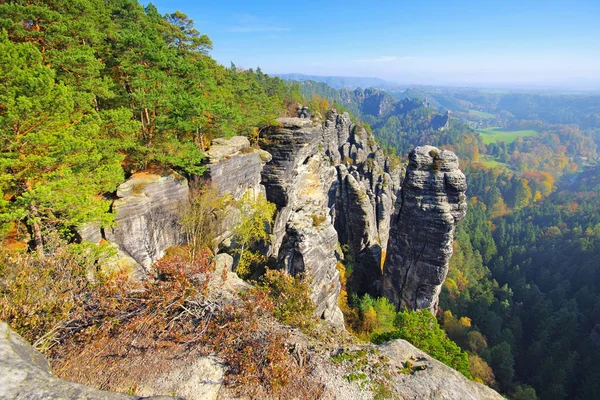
[94, 90]
[522, 293]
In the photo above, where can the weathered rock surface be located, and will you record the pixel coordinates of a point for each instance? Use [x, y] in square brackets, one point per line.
[26, 374]
[235, 167]
[202, 380]
[299, 180]
[225, 284]
[433, 201]
[431, 379]
[331, 183]
[148, 213]
[366, 197]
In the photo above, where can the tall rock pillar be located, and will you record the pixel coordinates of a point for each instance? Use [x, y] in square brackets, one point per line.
[420, 246]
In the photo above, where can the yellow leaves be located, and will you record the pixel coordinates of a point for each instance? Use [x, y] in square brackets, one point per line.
[481, 371]
[369, 320]
[465, 321]
[382, 262]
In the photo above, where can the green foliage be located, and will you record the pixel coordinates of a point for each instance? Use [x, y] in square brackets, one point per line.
[422, 330]
[256, 215]
[54, 160]
[95, 89]
[290, 297]
[202, 218]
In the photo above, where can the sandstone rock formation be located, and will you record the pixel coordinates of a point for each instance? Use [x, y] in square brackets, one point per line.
[433, 201]
[366, 197]
[148, 213]
[25, 374]
[234, 167]
[201, 380]
[325, 175]
[430, 379]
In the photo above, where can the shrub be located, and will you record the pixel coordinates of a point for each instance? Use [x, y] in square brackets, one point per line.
[422, 330]
[172, 315]
[317, 220]
[201, 217]
[292, 304]
[37, 294]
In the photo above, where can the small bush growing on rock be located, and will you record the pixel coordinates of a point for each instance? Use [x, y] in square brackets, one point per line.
[201, 217]
[292, 304]
[317, 220]
[253, 228]
[422, 330]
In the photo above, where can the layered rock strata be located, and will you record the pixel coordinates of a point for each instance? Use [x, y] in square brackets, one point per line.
[148, 212]
[432, 202]
[331, 183]
[235, 167]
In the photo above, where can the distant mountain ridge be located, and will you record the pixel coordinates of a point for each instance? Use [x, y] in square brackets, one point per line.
[342, 82]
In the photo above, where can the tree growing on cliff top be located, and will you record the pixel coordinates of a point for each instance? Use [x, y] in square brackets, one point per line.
[54, 163]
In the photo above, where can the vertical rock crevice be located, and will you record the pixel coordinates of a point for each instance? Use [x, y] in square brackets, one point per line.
[332, 184]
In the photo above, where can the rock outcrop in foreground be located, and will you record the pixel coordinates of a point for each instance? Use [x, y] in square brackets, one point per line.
[26, 374]
[430, 378]
[433, 201]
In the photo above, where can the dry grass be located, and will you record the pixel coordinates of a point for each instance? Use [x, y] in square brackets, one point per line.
[124, 334]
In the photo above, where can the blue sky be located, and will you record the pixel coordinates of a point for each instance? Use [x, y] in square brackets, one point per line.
[498, 43]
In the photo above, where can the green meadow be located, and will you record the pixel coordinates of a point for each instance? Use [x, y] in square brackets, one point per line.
[491, 162]
[495, 134]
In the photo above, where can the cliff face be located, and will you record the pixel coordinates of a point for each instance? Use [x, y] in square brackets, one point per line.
[368, 187]
[331, 183]
[148, 213]
[433, 201]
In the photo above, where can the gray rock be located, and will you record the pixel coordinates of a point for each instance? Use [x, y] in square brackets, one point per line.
[235, 167]
[148, 213]
[221, 147]
[225, 283]
[202, 380]
[368, 188]
[26, 374]
[431, 379]
[90, 232]
[331, 183]
[433, 201]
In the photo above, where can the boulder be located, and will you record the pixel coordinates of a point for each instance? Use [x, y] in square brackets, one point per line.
[430, 379]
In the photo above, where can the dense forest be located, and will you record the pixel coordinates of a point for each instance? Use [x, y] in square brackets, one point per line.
[95, 90]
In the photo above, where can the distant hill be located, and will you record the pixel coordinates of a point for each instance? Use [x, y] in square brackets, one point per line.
[342, 82]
